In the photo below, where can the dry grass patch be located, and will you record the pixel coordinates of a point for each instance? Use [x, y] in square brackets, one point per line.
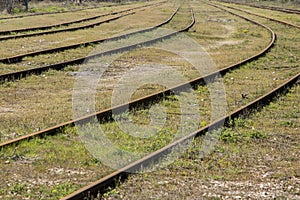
[227, 38]
[278, 3]
[19, 46]
[44, 20]
[292, 18]
[241, 149]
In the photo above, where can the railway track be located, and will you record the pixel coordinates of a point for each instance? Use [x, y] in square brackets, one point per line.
[285, 10]
[269, 18]
[65, 29]
[99, 187]
[106, 114]
[49, 13]
[110, 180]
[56, 12]
[17, 58]
[6, 32]
[61, 65]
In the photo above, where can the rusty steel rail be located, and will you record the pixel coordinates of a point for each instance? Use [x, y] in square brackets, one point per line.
[269, 18]
[107, 113]
[45, 13]
[64, 29]
[50, 13]
[58, 12]
[285, 10]
[73, 22]
[18, 58]
[61, 65]
[112, 179]
[103, 184]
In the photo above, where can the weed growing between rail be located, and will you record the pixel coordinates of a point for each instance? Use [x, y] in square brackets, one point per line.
[52, 7]
[243, 145]
[277, 3]
[52, 58]
[260, 73]
[42, 20]
[117, 27]
[58, 109]
[255, 158]
[288, 17]
[227, 38]
[48, 168]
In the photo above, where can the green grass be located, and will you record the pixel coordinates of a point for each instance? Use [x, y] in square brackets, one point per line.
[232, 159]
[33, 84]
[48, 168]
[246, 145]
[265, 159]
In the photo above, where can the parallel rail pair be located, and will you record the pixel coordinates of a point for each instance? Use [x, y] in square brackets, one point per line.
[12, 36]
[102, 185]
[107, 181]
[58, 66]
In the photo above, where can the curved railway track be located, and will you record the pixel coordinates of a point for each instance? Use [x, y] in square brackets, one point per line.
[17, 58]
[68, 23]
[65, 29]
[99, 187]
[61, 65]
[269, 18]
[49, 13]
[106, 114]
[285, 10]
[104, 183]
[56, 12]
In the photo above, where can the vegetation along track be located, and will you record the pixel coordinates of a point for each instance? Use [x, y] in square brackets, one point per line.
[298, 76]
[101, 186]
[17, 58]
[65, 29]
[57, 66]
[285, 10]
[104, 184]
[50, 13]
[237, 184]
[44, 13]
[106, 114]
[269, 18]
[58, 12]
[6, 32]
